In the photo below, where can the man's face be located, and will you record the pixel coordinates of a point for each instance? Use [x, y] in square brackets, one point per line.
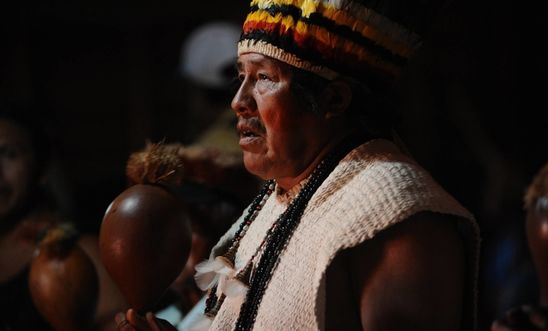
[16, 167]
[279, 138]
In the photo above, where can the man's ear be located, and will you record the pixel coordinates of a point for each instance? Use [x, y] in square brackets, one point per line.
[337, 97]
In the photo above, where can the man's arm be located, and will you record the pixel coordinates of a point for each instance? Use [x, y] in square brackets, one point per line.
[409, 277]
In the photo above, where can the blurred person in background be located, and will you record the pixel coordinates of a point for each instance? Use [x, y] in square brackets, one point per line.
[28, 210]
[533, 316]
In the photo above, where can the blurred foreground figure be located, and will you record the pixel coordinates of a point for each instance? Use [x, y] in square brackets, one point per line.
[214, 185]
[202, 179]
[49, 274]
[535, 316]
[348, 232]
[145, 235]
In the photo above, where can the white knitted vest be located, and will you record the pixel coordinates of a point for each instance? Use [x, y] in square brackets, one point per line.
[373, 187]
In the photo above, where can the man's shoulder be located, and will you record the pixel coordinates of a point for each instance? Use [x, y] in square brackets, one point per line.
[409, 263]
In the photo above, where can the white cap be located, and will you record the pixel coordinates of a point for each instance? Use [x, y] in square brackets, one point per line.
[208, 51]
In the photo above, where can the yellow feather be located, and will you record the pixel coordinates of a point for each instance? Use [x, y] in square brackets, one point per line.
[308, 7]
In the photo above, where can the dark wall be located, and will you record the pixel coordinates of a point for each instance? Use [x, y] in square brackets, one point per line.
[104, 78]
[474, 114]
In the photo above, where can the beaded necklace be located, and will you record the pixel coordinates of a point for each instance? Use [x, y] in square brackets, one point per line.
[276, 238]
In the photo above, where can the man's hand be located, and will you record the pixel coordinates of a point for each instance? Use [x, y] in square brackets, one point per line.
[131, 321]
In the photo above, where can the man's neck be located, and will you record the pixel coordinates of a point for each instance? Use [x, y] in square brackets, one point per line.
[286, 183]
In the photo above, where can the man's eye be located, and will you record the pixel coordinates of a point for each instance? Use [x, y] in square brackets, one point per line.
[263, 77]
[241, 78]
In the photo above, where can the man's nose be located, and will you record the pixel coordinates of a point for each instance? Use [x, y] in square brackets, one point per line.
[243, 102]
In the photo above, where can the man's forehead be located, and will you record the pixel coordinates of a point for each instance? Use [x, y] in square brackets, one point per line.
[255, 59]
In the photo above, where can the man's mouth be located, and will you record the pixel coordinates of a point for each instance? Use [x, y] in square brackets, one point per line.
[249, 129]
[248, 134]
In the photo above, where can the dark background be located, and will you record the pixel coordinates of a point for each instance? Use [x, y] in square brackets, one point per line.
[104, 79]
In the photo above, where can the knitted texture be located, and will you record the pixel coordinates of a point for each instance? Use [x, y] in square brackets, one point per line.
[372, 188]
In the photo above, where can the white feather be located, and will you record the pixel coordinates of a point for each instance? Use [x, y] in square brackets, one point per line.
[235, 288]
[225, 270]
[222, 283]
[209, 265]
[206, 280]
[224, 261]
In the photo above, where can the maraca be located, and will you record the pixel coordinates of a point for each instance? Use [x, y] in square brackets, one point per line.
[63, 281]
[145, 235]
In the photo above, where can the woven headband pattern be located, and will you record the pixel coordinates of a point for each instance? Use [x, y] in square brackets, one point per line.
[329, 38]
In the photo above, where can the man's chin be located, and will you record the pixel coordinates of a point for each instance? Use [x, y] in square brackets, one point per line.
[254, 166]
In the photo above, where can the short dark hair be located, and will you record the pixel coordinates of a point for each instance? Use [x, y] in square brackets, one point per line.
[373, 112]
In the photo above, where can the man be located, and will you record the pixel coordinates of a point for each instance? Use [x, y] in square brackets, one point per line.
[348, 233]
